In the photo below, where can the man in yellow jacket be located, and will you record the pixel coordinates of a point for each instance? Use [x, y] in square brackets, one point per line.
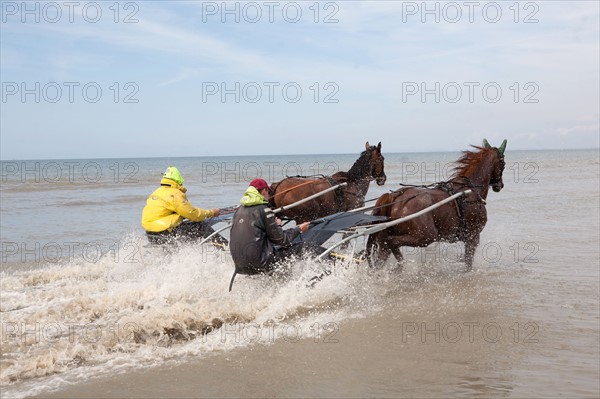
[167, 208]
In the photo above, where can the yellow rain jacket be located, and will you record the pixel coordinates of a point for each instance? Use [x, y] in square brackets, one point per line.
[168, 206]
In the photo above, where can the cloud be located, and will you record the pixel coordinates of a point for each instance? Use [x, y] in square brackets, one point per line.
[590, 130]
[182, 75]
[368, 54]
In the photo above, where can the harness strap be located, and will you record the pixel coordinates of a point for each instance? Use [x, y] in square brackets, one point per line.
[459, 202]
[232, 279]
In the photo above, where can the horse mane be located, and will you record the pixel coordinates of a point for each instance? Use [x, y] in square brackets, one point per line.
[470, 161]
[356, 170]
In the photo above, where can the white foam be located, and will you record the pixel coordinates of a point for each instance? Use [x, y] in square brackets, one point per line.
[66, 322]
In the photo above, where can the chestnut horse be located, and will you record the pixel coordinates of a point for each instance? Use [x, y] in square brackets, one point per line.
[292, 189]
[459, 220]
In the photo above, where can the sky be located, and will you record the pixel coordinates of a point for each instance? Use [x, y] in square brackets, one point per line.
[111, 79]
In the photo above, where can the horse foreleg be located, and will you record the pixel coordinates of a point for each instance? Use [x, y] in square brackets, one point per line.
[406, 240]
[371, 247]
[377, 249]
[470, 246]
[398, 255]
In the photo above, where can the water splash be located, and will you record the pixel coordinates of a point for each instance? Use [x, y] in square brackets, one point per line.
[64, 319]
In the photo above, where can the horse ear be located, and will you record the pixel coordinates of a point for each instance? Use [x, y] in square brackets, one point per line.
[502, 147]
[379, 147]
[367, 146]
[486, 144]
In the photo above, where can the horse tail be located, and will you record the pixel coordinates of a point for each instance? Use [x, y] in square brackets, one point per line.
[273, 190]
[274, 186]
[381, 206]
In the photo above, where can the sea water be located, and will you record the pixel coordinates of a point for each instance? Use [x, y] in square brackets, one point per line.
[87, 306]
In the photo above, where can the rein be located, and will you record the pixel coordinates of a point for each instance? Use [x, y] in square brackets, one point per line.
[325, 178]
[361, 171]
[292, 188]
[437, 186]
[442, 184]
[328, 179]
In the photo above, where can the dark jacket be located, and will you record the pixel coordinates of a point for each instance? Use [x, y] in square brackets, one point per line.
[254, 235]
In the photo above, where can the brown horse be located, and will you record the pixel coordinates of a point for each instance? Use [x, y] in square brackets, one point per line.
[460, 220]
[292, 189]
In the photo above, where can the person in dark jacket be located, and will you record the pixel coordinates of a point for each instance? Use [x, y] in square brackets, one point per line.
[257, 240]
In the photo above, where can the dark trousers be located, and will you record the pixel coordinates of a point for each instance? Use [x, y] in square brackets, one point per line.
[185, 232]
[276, 265]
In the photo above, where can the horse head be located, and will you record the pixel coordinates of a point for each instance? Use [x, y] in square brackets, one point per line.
[377, 164]
[497, 166]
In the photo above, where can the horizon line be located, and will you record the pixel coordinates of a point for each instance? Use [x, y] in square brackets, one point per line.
[274, 155]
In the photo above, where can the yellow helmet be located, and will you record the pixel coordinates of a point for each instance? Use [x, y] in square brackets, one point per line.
[173, 173]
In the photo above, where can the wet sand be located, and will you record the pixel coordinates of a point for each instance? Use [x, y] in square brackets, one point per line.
[380, 356]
